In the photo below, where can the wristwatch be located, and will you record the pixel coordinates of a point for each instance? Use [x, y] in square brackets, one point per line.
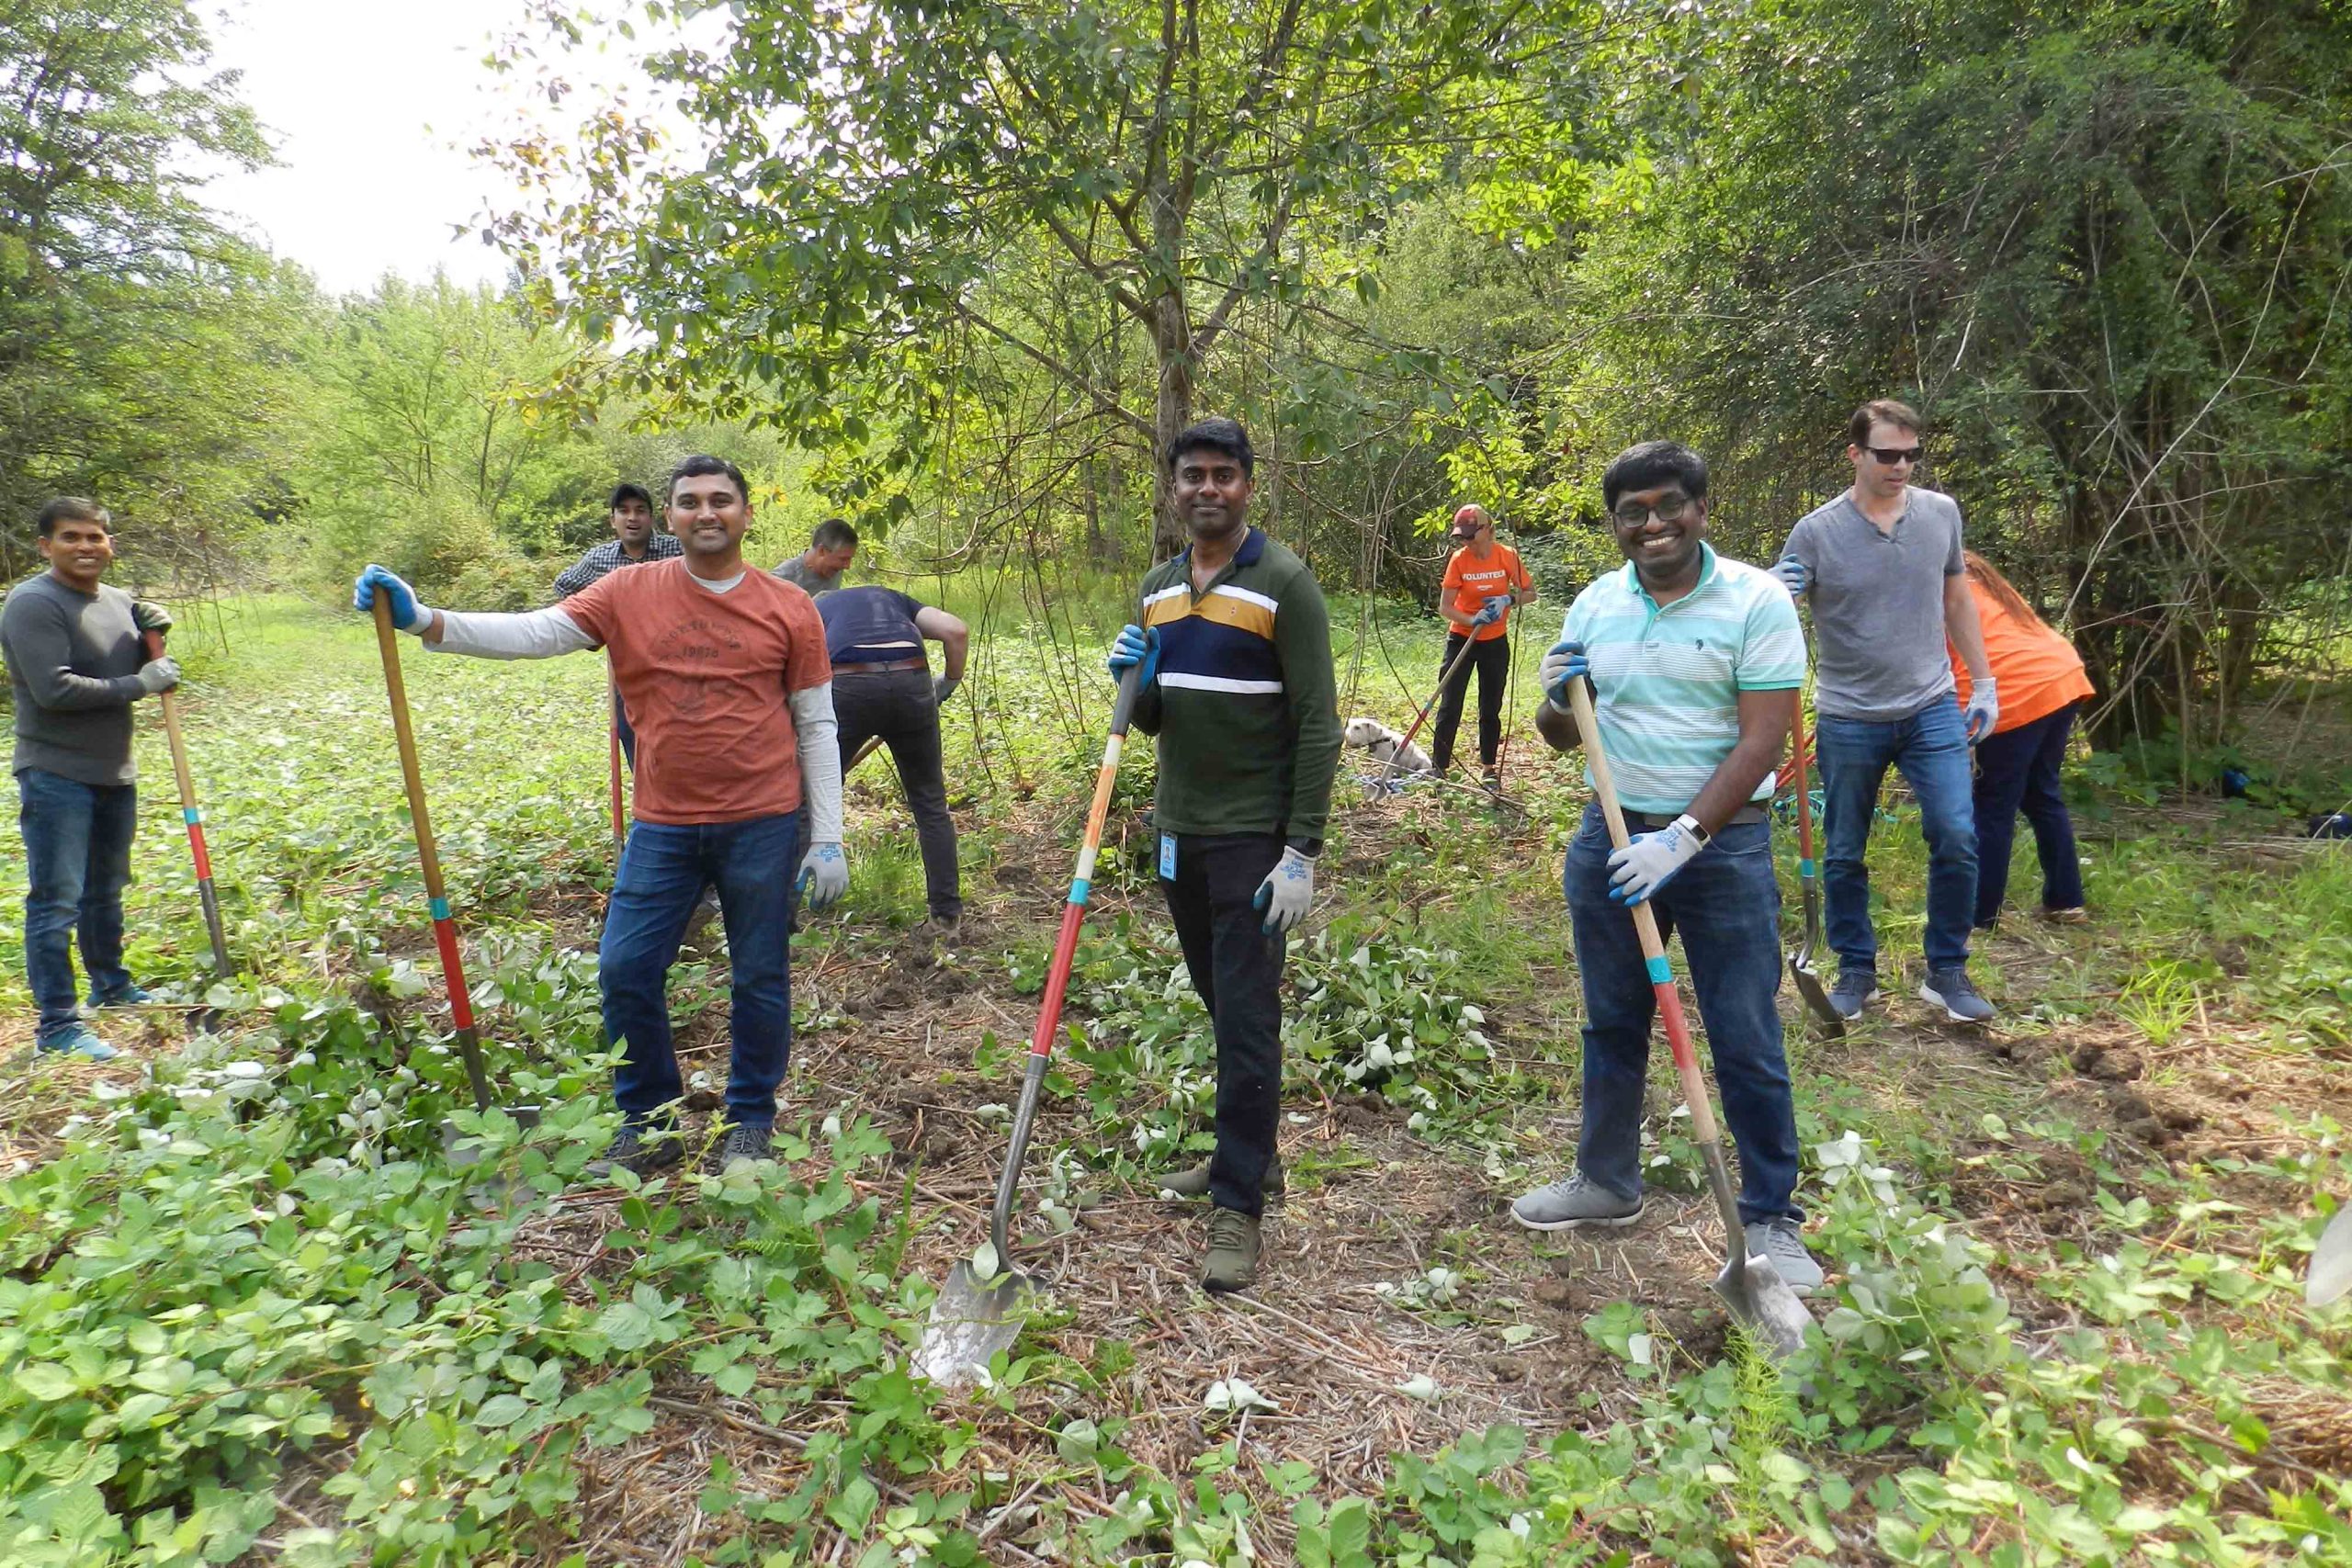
[1690, 825]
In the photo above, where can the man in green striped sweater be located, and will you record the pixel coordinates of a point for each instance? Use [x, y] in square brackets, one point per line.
[1235, 650]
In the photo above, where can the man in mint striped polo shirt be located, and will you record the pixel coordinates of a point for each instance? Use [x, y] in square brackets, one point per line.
[1695, 663]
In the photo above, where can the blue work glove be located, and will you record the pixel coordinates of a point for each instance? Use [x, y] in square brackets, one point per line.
[408, 616]
[1649, 863]
[1983, 710]
[1563, 663]
[1136, 645]
[1288, 889]
[1793, 575]
[825, 875]
[1491, 611]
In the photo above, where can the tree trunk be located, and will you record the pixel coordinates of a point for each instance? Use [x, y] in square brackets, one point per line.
[1171, 411]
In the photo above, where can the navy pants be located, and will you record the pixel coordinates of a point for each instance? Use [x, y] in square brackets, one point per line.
[77, 862]
[1930, 749]
[2017, 771]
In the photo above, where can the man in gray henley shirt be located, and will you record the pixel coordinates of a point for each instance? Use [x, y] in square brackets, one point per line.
[1881, 564]
[76, 661]
[818, 569]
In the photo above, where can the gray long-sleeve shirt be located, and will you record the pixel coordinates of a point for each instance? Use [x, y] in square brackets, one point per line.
[73, 661]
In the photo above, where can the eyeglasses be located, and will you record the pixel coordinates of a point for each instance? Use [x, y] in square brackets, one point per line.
[1891, 456]
[1670, 510]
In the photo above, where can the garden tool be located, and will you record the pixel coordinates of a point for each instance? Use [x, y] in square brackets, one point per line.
[445, 931]
[193, 814]
[613, 738]
[979, 1310]
[1751, 1283]
[1801, 969]
[1453, 668]
[2331, 1276]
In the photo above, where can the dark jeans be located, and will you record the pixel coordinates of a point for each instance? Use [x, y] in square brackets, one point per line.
[1931, 748]
[1237, 969]
[2017, 771]
[1491, 660]
[77, 862]
[897, 704]
[1727, 904]
[664, 870]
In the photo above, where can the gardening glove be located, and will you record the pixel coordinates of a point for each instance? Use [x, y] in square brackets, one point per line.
[1288, 889]
[1563, 663]
[158, 675]
[1491, 611]
[1649, 863]
[1793, 575]
[942, 688]
[1136, 645]
[825, 875]
[1984, 711]
[408, 616]
[150, 616]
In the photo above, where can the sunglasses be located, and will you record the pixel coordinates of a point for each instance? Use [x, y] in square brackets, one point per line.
[1891, 456]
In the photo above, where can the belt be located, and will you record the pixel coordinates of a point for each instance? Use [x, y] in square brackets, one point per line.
[895, 664]
[1745, 816]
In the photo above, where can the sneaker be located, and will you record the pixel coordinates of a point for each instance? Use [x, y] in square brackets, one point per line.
[128, 996]
[638, 1149]
[2073, 917]
[78, 1039]
[942, 928]
[1195, 1182]
[1782, 1241]
[1856, 990]
[1574, 1204]
[742, 1143]
[1951, 991]
[1232, 1262]
[1491, 781]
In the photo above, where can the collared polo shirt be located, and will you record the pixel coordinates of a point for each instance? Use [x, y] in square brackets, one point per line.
[592, 567]
[1667, 678]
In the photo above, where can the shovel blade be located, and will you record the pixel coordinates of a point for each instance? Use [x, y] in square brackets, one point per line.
[2331, 1275]
[1815, 995]
[1761, 1301]
[971, 1320]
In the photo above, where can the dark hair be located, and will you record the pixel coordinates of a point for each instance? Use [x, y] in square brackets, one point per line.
[703, 463]
[1881, 411]
[833, 533]
[1653, 463]
[627, 492]
[72, 509]
[1217, 435]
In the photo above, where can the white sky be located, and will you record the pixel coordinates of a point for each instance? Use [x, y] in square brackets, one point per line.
[371, 107]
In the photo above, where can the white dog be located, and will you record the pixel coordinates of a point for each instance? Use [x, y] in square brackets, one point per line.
[1386, 745]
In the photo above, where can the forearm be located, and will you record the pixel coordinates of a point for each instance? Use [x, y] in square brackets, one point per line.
[1966, 632]
[1304, 639]
[1735, 780]
[45, 659]
[953, 652]
[1454, 617]
[819, 738]
[1557, 729]
[532, 634]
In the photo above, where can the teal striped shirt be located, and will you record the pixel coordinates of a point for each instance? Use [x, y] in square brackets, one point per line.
[1669, 679]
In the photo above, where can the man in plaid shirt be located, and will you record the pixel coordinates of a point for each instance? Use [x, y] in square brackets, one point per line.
[633, 541]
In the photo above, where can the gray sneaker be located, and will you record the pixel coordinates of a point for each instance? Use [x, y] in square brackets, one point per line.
[1950, 990]
[1856, 990]
[640, 1149]
[1194, 1182]
[1782, 1241]
[742, 1143]
[1573, 1204]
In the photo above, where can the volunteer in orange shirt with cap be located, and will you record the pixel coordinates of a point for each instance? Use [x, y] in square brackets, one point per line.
[2042, 683]
[1484, 582]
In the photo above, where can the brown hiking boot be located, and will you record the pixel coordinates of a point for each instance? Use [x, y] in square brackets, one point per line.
[1232, 1263]
[1194, 1182]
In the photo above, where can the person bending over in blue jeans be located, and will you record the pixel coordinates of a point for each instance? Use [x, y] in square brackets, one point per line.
[1881, 564]
[1695, 663]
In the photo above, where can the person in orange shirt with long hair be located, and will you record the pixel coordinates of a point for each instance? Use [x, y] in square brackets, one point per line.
[2042, 685]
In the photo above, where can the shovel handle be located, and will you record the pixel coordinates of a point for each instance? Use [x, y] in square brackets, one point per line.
[192, 814]
[612, 745]
[1452, 666]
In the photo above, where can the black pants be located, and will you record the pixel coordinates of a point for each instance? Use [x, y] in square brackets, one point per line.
[1491, 660]
[1237, 969]
[897, 704]
[2017, 771]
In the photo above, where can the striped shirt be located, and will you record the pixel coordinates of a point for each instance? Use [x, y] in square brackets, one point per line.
[1668, 678]
[607, 557]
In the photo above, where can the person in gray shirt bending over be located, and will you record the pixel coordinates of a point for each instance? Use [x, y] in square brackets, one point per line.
[1881, 564]
[78, 662]
[818, 567]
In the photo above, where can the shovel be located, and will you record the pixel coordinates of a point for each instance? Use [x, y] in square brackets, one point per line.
[2331, 1273]
[193, 814]
[1801, 969]
[979, 1310]
[1751, 1283]
[462, 1150]
[1453, 668]
[613, 745]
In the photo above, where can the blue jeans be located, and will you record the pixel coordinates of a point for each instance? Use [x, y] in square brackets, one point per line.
[2017, 771]
[664, 870]
[1727, 904]
[1930, 749]
[77, 862]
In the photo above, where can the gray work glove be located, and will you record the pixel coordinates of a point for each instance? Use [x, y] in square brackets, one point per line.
[158, 675]
[1288, 889]
[150, 616]
[825, 875]
[942, 688]
[1984, 711]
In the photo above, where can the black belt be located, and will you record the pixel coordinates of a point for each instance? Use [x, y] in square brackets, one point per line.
[1745, 815]
[894, 665]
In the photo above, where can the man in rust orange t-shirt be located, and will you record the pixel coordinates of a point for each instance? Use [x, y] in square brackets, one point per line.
[1484, 582]
[724, 674]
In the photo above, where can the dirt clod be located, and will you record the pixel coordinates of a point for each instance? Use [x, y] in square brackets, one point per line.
[1557, 1294]
[2117, 1066]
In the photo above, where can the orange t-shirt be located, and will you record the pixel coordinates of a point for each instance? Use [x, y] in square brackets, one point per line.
[2038, 671]
[1472, 582]
[707, 679]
